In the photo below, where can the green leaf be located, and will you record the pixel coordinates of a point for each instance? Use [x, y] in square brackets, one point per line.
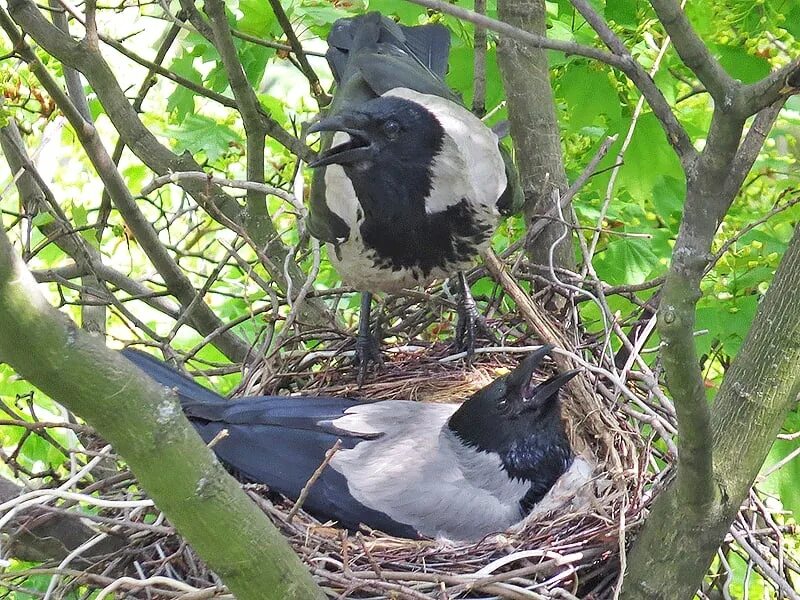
[622, 12]
[668, 196]
[42, 219]
[785, 481]
[203, 134]
[626, 260]
[409, 14]
[79, 215]
[257, 18]
[792, 21]
[741, 64]
[589, 94]
[727, 321]
[649, 158]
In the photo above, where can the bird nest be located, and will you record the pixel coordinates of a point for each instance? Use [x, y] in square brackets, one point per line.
[619, 421]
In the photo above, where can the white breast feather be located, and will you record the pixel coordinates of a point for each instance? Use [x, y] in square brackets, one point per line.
[419, 473]
[339, 193]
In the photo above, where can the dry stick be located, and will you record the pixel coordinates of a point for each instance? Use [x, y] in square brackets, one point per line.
[221, 435]
[373, 563]
[314, 476]
[179, 176]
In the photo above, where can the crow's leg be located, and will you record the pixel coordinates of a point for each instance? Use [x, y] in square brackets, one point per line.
[367, 346]
[469, 320]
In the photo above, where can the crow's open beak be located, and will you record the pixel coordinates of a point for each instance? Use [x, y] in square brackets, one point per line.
[358, 147]
[520, 378]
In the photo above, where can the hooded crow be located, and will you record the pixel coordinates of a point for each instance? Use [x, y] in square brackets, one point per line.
[409, 184]
[410, 469]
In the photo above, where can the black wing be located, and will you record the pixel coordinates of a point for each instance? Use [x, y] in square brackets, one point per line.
[369, 55]
[278, 441]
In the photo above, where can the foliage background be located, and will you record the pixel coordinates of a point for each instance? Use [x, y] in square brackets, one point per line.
[628, 211]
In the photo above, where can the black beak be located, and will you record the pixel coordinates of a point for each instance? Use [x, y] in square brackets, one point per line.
[549, 389]
[520, 378]
[357, 148]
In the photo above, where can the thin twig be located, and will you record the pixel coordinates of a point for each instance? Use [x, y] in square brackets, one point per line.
[329, 454]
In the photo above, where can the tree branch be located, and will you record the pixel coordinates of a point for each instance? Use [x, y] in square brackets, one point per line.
[316, 88]
[535, 131]
[623, 61]
[695, 55]
[115, 278]
[145, 424]
[203, 319]
[777, 86]
[676, 134]
[149, 81]
[480, 42]
[750, 147]
[39, 535]
[127, 123]
[147, 148]
[37, 198]
[531, 39]
[257, 221]
[704, 209]
[760, 388]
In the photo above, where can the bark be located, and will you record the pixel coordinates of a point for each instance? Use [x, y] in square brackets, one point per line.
[144, 423]
[673, 552]
[534, 127]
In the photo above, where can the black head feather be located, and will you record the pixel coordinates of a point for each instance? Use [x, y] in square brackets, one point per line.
[388, 133]
[521, 422]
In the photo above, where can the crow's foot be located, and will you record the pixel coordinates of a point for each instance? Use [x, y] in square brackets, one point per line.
[368, 349]
[470, 321]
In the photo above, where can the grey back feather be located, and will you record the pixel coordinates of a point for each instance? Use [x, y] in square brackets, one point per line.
[430, 480]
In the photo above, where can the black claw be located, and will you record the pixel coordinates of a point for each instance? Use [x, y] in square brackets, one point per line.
[470, 321]
[367, 352]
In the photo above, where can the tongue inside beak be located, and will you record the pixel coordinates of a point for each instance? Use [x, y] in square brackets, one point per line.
[356, 147]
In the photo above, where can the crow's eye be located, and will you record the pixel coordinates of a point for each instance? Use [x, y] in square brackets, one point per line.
[391, 129]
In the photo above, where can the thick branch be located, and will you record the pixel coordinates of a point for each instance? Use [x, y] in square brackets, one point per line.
[146, 426]
[695, 54]
[750, 147]
[534, 128]
[703, 211]
[776, 87]
[760, 388]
